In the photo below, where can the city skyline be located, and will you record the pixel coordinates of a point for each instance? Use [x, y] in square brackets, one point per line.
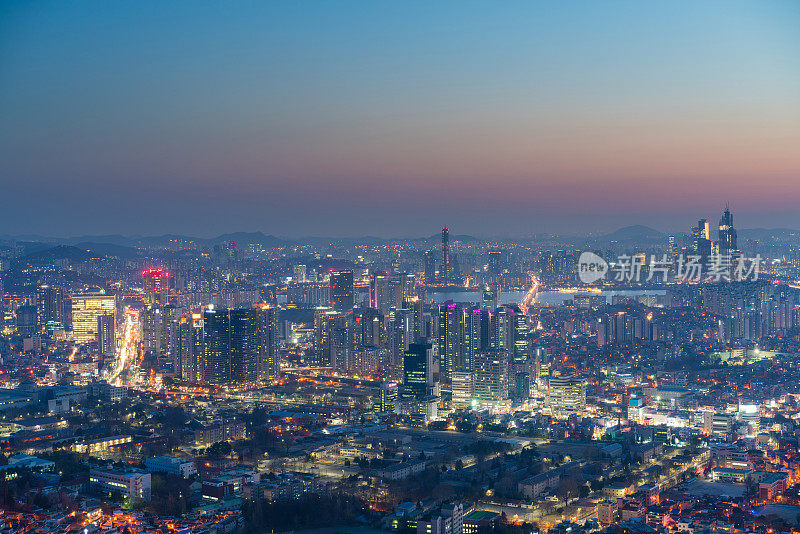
[536, 118]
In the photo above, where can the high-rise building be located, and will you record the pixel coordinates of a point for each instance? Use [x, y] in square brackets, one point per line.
[106, 336]
[727, 233]
[342, 290]
[217, 339]
[566, 395]
[192, 348]
[444, 274]
[462, 388]
[86, 308]
[430, 267]
[299, 274]
[50, 314]
[26, 320]
[702, 239]
[418, 371]
[388, 397]
[269, 356]
[244, 345]
[150, 322]
[381, 295]
[450, 333]
[324, 322]
[231, 345]
[170, 317]
[154, 283]
[490, 378]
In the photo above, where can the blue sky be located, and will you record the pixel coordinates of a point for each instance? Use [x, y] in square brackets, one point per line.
[352, 118]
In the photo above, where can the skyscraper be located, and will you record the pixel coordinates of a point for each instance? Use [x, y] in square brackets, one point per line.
[192, 348]
[154, 282]
[490, 378]
[727, 233]
[151, 324]
[299, 274]
[217, 339]
[702, 239]
[445, 272]
[381, 296]
[86, 308]
[430, 267]
[450, 332]
[418, 371]
[269, 356]
[50, 313]
[342, 290]
[566, 395]
[244, 344]
[106, 339]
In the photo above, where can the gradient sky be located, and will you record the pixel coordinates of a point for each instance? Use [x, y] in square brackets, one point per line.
[395, 118]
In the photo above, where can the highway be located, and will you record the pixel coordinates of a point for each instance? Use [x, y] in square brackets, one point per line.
[127, 346]
[525, 303]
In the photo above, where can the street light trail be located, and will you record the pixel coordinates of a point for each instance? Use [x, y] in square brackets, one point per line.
[525, 303]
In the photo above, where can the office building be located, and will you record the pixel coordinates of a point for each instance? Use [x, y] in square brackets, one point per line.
[171, 465]
[727, 233]
[217, 349]
[131, 484]
[342, 290]
[268, 342]
[490, 377]
[26, 321]
[106, 335]
[244, 345]
[86, 308]
[191, 348]
[462, 388]
[299, 274]
[566, 395]
[418, 371]
[155, 282]
[50, 312]
[444, 272]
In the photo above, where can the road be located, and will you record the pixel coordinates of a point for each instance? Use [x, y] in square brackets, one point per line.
[525, 303]
[127, 347]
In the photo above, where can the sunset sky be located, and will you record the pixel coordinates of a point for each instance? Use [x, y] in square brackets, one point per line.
[396, 118]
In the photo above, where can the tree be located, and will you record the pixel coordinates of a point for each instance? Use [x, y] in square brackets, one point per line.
[220, 448]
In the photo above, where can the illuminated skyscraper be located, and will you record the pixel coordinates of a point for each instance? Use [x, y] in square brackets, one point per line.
[86, 308]
[702, 239]
[727, 233]
[244, 345]
[566, 395]
[151, 323]
[490, 378]
[50, 313]
[192, 348]
[381, 295]
[418, 371]
[269, 357]
[299, 274]
[342, 290]
[154, 282]
[445, 272]
[106, 339]
[217, 349]
[450, 329]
